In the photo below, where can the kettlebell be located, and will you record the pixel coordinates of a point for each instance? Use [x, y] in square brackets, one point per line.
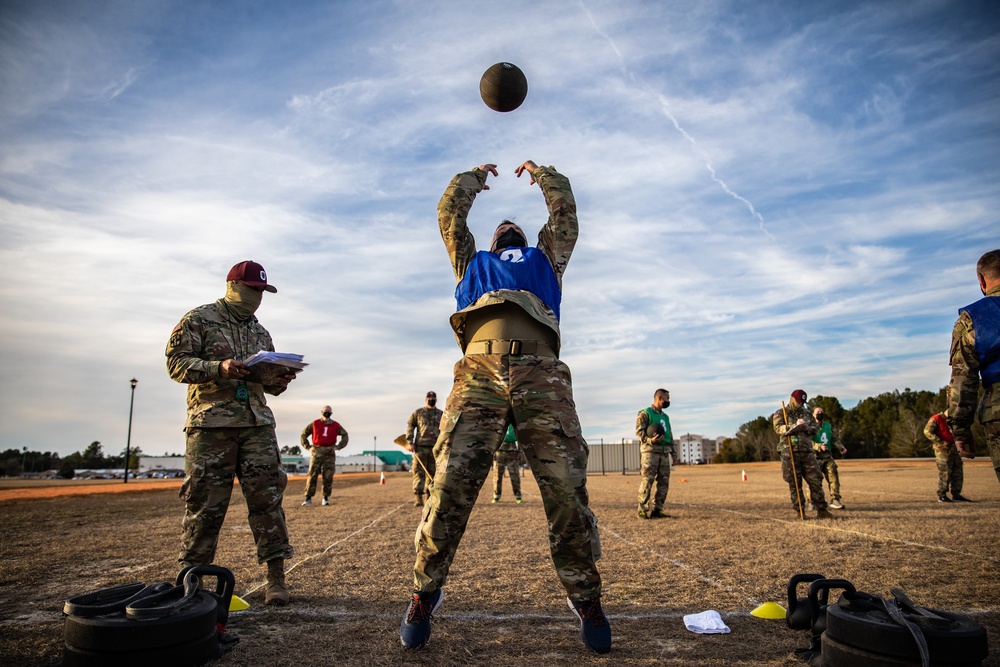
[799, 616]
[225, 583]
[819, 594]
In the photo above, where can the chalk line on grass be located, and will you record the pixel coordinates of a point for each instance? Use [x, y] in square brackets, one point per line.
[827, 526]
[684, 566]
[331, 545]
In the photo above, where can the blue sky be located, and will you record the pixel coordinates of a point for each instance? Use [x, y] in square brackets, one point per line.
[771, 195]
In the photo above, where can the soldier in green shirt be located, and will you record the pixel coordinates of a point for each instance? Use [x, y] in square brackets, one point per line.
[658, 453]
[508, 458]
[823, 445]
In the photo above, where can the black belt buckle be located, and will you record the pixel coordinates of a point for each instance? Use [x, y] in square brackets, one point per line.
[515, 347]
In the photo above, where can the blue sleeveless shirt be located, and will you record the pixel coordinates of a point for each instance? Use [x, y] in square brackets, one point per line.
[526, 269]
[985, 315]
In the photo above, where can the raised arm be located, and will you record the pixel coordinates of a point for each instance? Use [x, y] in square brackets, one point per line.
[453, 214]
[559, 235]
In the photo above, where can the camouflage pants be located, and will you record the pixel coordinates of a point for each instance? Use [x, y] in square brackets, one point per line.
[655, 469]
[323, 462]
[829, 469]
[951, 473]
[993, 444]
[806, 468]
[421, 484]
[536, 393]
[510, 461]
[214, 456]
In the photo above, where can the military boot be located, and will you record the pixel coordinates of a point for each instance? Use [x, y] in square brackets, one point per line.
[418, 501]
[276, 592]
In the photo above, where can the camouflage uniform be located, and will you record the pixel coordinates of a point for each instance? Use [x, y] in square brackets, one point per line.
[951, 472]
[806, 465]
[656, 460]
[322, 459]
[532, 391]
[227, 435]
[508, 458]
[422, 430]
[964, 389]
[823, 444]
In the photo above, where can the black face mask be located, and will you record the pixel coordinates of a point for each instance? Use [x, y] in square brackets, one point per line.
[510, 238]
[666, 404]
[327, 414]
[432, 402]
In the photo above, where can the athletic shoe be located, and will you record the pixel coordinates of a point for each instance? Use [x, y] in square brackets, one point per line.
[307, 502]
[517, 500]
[836, 505]
[595, 631]
[495, 501]
[642, 514]
[415, 629]
[657, 514]
[944, 499]
[326, 501]
[960, 498]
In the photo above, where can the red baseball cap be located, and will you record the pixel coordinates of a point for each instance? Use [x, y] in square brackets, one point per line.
[799, 396]
[250, 273]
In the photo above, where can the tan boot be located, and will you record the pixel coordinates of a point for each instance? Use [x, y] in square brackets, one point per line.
[276, 592]
[418, 501]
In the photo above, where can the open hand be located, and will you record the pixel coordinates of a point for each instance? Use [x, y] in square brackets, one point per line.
[529, 167]
[489, 169]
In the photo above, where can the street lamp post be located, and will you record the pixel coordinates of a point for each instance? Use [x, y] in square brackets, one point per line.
[128, 442]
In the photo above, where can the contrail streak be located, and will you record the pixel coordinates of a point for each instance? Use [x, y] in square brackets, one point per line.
[665, 108]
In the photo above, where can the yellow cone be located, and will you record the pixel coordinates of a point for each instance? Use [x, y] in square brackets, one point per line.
[238, 604]
[769, 610]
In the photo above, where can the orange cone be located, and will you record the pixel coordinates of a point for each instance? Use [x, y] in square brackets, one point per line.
[382, 479]
[744, 474]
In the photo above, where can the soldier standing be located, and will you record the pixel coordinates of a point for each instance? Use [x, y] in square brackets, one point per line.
[657, 451]
[229, 428]
[321, 437]
[507, 325]
[795, 427]
[508, 458]
[975, 354]
[823, 445]
[951, 473]
[422, 429]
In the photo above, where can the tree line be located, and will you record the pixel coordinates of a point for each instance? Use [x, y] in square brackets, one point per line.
[14, 462]
[885, 426]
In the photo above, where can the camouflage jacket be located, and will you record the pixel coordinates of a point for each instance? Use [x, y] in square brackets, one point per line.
[556, 239]
[201, 341]
[426, 422]
[665, 446]
[932, 431]
[963, 391]
[801, 440]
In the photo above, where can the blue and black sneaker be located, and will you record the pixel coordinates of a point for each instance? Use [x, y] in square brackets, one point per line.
[595, 631]
[415, 630]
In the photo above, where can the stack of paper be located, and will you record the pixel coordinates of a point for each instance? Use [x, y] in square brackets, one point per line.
[279, 358]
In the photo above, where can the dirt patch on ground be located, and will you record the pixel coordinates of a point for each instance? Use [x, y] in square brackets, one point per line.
[728, 545]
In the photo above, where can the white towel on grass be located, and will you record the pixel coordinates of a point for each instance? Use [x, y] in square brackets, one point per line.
[706, 623]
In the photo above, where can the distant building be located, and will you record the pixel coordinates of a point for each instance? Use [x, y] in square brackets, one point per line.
[295, 464]
[365, 462]
[163, 463]
[694, 448]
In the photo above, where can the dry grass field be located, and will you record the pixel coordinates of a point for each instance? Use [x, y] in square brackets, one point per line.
[728, 545]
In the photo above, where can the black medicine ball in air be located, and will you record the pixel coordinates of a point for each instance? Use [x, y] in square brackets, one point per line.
[654, 430]
[503, 87]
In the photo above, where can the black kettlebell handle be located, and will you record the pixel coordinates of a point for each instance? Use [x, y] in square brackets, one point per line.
[798, 615]
[817, 605]
[225, 584]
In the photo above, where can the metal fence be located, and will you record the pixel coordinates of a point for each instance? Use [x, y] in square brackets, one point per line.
[608, 458]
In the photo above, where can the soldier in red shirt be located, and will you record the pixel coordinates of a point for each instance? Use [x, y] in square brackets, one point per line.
[321, 437]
